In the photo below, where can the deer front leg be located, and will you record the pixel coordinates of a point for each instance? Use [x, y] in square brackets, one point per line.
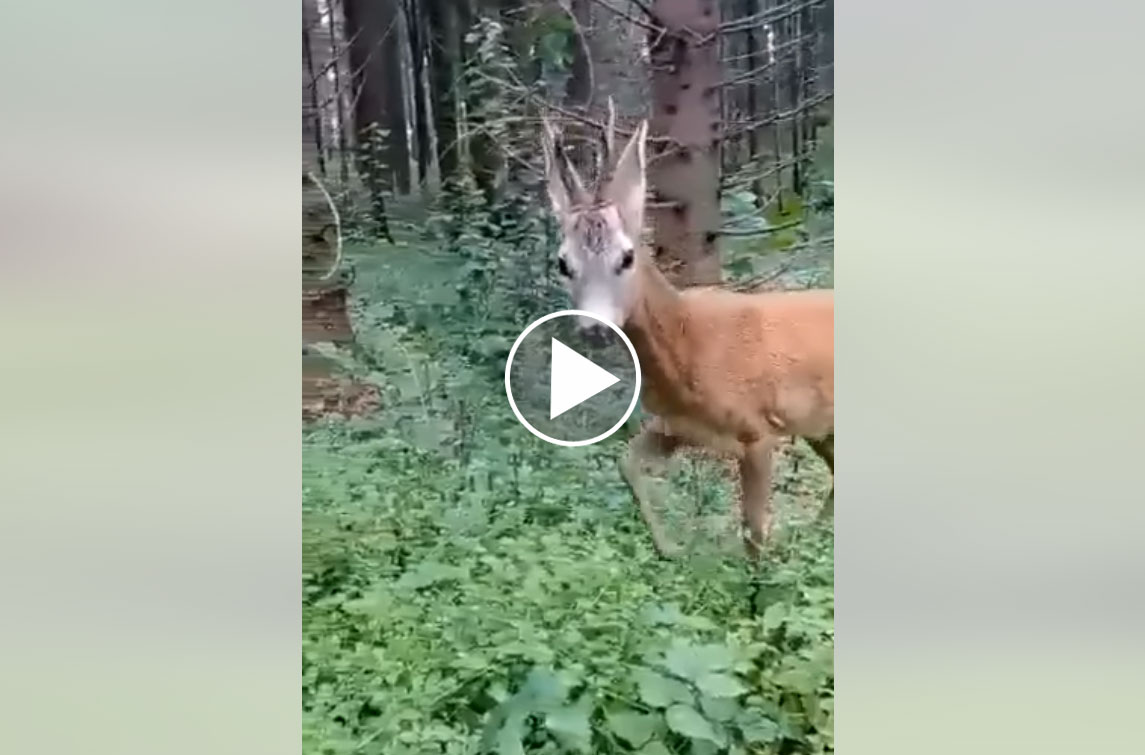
[825, 448]
[648, 453]
[755, 495]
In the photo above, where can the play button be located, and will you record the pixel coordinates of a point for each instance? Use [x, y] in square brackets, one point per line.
[566, 390]
[574, 379]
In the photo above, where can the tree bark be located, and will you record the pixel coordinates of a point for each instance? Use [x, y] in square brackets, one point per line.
[684, 171]
[795, 84]
[311, 113]
[579, 88]
[750, 8]
[336, 40]
[373, 27]
[485, 154]
[445, 58]
[417, 43]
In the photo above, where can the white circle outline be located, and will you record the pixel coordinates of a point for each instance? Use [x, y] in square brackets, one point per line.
[513, 404]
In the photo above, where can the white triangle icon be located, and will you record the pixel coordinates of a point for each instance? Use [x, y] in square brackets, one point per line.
[574, 379]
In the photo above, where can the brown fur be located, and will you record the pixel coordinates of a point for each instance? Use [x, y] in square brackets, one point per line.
[731, 374]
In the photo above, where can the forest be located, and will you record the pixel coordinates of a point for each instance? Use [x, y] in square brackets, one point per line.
[468, 588]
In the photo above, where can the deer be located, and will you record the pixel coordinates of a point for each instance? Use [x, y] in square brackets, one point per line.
[728, 373]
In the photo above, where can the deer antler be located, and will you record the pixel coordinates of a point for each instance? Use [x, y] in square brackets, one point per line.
[570, 179]
[608, 149]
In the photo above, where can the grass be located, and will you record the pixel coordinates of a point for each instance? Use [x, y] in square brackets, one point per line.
[469, 588]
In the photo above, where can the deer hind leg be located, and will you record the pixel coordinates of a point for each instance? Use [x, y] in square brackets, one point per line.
[825, 447]
[648, 454]
[755, 495]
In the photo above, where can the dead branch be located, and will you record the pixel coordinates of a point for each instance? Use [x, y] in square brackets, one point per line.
[583, 39]
[743, 233]
[746, 75]
[644, 7]
[795, 112]
[632, 19]
[766, 17]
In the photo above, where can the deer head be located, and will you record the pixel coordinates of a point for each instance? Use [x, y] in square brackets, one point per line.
[601, 228]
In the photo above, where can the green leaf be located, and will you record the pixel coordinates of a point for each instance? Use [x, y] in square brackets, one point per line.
[430, 573]
[659, 691]
[720, 685]
[774, 616]
[693, 661]
[634, 728]
[798, 680]
[570, 725]
[543, 690]
[663, 615]
[703, 747]
[432, 432]
[510, 735]
[504, 732]
[655, 747]
[686, 720]
[719, 709]
[756, 727]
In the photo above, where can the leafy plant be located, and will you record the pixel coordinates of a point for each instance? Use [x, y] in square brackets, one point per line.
[468, 588]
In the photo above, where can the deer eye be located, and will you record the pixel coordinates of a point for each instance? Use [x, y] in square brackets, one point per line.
[625, 261]
[563, 267]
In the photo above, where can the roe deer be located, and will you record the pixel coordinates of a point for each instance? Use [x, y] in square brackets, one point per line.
[725, 372]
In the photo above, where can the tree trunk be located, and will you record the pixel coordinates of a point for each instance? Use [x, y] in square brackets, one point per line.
[750, 8]
[417, 44]
[311, 113]
[772, 107]
[684, 171]
[336, 40]
[578, 89]
[373, 27]
[445, 59]
[481, 114]
[324, 312]
[795, 85]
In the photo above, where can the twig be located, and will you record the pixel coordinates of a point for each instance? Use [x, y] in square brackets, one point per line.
[772, 169]
[757, 281]
[629, 17]
[760, 69]
[647, 9]
[761, 231]
[769, 16]
[336, 53]
[780, 116]
[565, 6]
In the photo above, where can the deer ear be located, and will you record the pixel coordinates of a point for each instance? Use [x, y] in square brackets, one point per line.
[627, 186]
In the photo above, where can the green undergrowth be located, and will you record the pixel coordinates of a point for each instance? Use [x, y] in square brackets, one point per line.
[468, 588]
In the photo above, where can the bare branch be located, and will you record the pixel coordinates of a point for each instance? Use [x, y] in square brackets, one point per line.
[608, 140]
[746, 179]
[583, 39]
[645, 8]
[785, 115]
[762, 280]
[337, 51]
[769, 16]
[629, 17]
[740, 232]
[747, 75]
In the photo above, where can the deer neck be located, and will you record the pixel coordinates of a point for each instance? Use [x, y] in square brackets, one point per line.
[656, 327]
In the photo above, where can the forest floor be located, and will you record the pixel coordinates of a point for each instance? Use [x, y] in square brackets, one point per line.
[468, 587]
